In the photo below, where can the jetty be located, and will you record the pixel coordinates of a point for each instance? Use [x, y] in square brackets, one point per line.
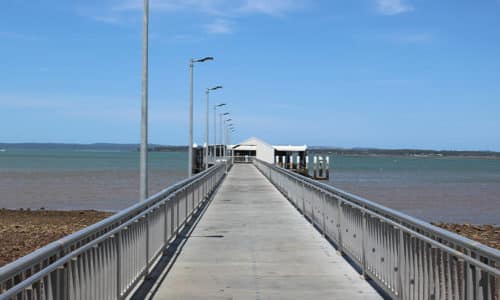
[256, 230]
[292, 157]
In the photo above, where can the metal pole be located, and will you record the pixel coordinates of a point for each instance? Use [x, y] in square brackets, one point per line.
[190, 152]
[220, 125]
[228, 141]
[215, 133]
[143, 185]
[225, 140]
[206, 134]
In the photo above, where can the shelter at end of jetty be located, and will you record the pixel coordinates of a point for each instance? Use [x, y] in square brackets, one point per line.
[291, 157]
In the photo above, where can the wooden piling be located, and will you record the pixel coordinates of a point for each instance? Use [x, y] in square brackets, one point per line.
[327, 173]
[315, 161]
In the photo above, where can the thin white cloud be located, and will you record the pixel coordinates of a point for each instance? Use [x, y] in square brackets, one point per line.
[216, 7]
[271, 7]
[393, 7]
[85, 107]
[18, 36]
[219, 26]
[205, 6]
[115, 11]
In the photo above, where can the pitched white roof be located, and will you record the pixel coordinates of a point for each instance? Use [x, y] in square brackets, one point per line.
[251, 144]
[254, 141]
[245, 147]
[290, 148]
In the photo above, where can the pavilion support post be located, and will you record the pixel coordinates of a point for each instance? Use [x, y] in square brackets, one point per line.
[327, 165]
[315, 161]
[307, 165]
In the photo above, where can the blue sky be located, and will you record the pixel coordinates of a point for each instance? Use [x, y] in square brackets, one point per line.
[361, 73]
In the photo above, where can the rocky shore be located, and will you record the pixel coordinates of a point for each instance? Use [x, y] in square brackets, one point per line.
[23, 231]
[485, 234]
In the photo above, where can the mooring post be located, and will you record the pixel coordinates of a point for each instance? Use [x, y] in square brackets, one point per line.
[320, 163]
[315, 160]
[327, 165]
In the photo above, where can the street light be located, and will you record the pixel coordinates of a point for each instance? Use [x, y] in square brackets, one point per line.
[225, 137]
[221, 132]
[231, 130]
[206, 128]
[143, 159]
[192, 61]
[204, 59]
[215, 128]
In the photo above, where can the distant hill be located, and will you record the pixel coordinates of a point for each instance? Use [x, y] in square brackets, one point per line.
[404, 152]
[315, 149]
[94, 146]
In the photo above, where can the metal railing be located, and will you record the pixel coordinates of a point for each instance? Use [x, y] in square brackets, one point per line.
[109, 259]
[405, 256]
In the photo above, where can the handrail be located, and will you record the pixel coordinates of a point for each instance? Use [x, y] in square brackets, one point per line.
[398, 215]
[406, 256]
[139, 227]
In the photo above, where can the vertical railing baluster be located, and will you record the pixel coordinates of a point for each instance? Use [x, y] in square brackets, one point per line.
[363, 243]
[118, 250]
[340, 220]
[400, 263]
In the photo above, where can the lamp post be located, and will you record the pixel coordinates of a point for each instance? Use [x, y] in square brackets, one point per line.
[143, 159]
[221, 135]
[206, 126]
[225, 137]
[228, 142]
[215, 128]
[192, 61]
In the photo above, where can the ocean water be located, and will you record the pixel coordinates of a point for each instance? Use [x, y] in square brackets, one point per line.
[66, 179]
[433, 189]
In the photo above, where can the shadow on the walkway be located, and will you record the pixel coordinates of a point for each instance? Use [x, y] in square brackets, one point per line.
[150, 285]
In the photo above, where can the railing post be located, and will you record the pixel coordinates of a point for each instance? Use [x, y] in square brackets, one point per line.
[363, 244]
[118, 265]
[165, 224]
[62, 286]
[303, 208]
[172, 216]
[186, 213]
[179, 203]
[323, 202]
[400, 263]
[341, 219]
[146, 269]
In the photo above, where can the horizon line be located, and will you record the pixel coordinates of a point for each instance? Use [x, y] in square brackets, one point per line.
[309, 146]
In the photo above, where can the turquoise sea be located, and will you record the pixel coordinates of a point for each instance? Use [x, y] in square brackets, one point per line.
[434, 189]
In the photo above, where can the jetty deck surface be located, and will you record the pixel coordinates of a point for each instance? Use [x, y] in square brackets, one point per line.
[251, 243]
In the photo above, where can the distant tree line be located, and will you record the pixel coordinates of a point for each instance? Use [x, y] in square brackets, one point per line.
[405, 152]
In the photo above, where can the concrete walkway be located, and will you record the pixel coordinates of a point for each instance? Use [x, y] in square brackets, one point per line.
[253, 244]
